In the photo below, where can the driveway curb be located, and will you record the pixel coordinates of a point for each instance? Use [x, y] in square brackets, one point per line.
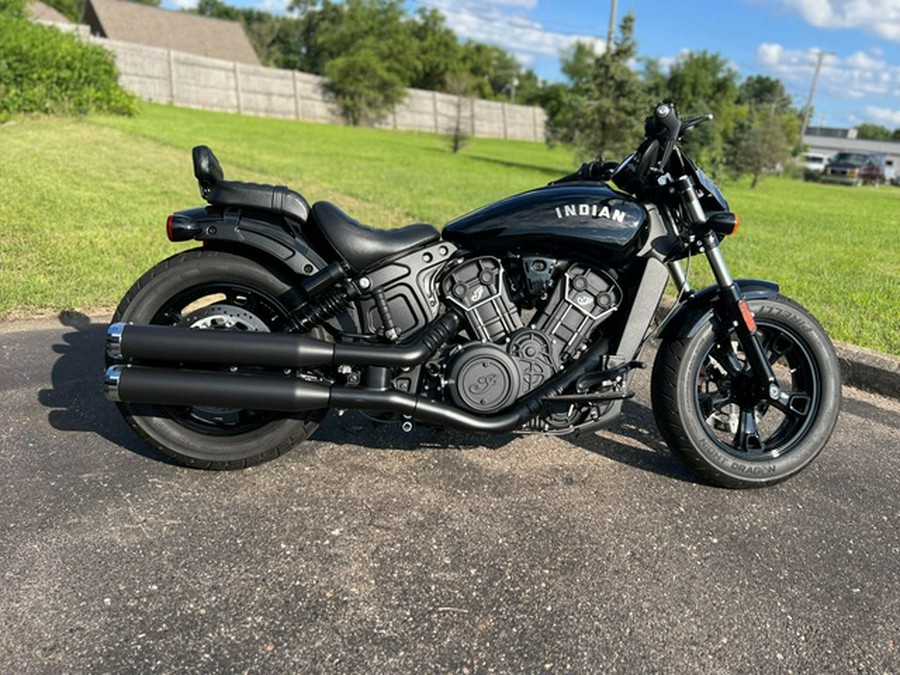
[872, 371]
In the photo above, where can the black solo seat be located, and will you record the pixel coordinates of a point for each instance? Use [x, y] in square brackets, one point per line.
[219, 192]
[361, 246]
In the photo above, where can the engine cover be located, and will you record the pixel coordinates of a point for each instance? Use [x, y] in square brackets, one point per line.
[536, 358]
[486, 378]
[483, 378]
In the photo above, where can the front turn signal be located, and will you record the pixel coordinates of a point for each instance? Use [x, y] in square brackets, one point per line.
[724, 223]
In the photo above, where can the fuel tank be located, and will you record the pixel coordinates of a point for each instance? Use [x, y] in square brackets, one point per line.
[587, 220]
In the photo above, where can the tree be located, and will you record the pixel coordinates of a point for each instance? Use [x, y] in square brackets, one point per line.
[461, 85]
[760, 143]
[493, 69]
[873, 132]
[699, 83]
[439, 52]
[372, 57]
[274, 38]
[363, 86]
[763, 137]
[761, 91]
[604, 109]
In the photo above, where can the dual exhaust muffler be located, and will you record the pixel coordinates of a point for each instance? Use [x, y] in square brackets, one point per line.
[163, 383]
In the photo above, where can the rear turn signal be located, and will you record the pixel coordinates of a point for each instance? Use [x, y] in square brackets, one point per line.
[723, 223]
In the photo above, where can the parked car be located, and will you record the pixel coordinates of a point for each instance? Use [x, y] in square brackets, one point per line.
[854, 168]
[814, 161]
[813, 164]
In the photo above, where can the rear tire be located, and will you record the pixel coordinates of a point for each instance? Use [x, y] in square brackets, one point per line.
[712, 416]
[214, 290]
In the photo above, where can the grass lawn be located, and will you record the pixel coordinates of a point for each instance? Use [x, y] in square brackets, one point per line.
[84, 203]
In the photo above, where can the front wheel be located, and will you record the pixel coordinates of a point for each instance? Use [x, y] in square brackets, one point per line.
[713, 415]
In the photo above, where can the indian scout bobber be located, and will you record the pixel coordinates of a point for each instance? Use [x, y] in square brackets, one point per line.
[528, 315]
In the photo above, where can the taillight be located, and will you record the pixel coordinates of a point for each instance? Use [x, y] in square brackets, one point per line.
[182, 228]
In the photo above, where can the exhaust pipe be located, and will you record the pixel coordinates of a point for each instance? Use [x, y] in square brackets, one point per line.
[161, 386]
[127, 342]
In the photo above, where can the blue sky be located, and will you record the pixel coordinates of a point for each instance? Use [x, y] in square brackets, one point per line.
[860, 79]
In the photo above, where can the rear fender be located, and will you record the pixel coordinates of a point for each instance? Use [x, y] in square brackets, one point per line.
[697, 311]
[231, 229]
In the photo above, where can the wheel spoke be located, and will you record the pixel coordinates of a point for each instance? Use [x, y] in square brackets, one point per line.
[776, 346]
[713, 401]
[747, 437]
[726, 359]
[795, 404]
[177, 318]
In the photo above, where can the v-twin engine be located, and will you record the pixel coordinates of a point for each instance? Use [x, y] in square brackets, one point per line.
[508, 358]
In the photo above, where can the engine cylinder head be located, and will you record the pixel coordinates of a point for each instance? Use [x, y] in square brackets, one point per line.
[478, 287]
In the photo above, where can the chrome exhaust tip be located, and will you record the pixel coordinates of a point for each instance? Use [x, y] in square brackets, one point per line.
[111, 383]
[114, 341]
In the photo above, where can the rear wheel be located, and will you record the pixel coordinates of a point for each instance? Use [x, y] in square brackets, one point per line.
[211, 290]
[713, 415]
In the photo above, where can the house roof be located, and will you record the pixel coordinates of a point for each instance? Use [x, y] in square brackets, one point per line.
[38, 11]
[155, 27]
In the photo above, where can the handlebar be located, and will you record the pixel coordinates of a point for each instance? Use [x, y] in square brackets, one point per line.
[662, 129]
[667, 127]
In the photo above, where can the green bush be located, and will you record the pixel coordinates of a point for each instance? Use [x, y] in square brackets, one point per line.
[14, 8]
[43, 70]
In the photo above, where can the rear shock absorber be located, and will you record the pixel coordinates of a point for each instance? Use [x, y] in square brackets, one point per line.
[320, 309]
[327, 293]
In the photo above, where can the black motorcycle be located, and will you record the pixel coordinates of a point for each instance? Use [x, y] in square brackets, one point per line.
[528, 315]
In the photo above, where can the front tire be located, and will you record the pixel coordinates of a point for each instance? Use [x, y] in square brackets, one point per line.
[712, 415]
[213, 290]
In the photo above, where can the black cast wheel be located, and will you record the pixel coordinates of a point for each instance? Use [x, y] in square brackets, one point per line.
[715, 417]
[211, 290]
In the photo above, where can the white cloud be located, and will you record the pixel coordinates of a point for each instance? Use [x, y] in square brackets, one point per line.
[523, 4]
[497, 23]
[877, 16]
[502, 23]
[886, 116]
[180, 4]
[857, 76]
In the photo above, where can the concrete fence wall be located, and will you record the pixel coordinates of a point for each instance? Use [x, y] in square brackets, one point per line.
[182, 79]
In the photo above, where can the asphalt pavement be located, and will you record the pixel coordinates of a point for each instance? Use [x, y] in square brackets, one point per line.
[371, 550]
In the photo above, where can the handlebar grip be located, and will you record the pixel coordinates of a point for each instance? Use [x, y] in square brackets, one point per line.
[667, 116]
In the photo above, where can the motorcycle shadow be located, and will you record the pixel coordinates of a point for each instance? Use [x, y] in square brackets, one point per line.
[77, 404]
[633, 441]
[76, 395]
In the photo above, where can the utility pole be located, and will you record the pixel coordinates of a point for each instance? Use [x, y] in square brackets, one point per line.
[812, 93]
[611, 33]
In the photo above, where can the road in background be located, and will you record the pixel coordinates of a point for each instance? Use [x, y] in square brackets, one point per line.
[370, 550]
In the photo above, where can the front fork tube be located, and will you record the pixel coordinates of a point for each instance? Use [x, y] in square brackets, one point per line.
[678, 276]
[737, 314]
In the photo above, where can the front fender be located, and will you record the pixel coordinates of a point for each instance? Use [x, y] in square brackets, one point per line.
[697, 310]
[233, 230]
